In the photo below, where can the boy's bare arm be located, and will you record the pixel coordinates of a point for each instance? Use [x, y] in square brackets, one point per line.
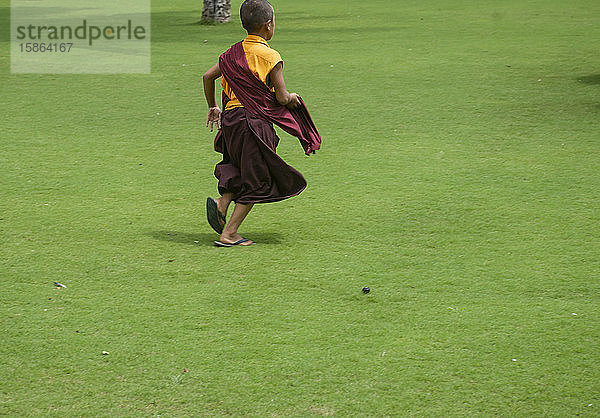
[214, 113]
[290, 100]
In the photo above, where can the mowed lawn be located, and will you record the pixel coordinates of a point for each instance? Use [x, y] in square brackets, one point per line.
[458, 179]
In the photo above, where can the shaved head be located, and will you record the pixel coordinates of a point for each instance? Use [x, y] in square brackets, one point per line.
[255, 13]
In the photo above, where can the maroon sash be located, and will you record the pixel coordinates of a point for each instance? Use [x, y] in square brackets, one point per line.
[259, 100]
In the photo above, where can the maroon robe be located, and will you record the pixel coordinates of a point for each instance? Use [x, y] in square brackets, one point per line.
[257, 98]
[251, 168]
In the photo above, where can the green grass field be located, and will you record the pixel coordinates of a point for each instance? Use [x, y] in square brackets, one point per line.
[458, 179]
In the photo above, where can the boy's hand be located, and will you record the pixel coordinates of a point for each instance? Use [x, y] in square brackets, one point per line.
[294, 101]
[214, 117]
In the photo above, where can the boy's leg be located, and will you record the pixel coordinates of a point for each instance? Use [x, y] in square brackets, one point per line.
[230, 234]
[223, 203]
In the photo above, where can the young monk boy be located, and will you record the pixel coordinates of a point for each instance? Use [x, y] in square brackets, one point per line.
[254, 97]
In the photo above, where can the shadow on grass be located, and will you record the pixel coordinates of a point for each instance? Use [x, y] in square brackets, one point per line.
[202, 238]
[207, 238]
[593, 79]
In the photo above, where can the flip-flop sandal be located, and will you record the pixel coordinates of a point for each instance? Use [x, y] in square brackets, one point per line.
[237, 243]
[213, 215]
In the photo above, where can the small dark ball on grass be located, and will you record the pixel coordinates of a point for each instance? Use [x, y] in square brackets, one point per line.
[366, 290]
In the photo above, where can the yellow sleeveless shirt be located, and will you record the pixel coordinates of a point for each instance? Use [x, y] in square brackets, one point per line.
[261, 60]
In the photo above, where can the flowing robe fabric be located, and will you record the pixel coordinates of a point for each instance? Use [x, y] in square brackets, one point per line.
[251, 168]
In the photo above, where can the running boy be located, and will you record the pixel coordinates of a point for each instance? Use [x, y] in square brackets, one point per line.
[254, 97]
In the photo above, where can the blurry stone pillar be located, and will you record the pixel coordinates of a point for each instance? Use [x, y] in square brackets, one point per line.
[218, 11]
